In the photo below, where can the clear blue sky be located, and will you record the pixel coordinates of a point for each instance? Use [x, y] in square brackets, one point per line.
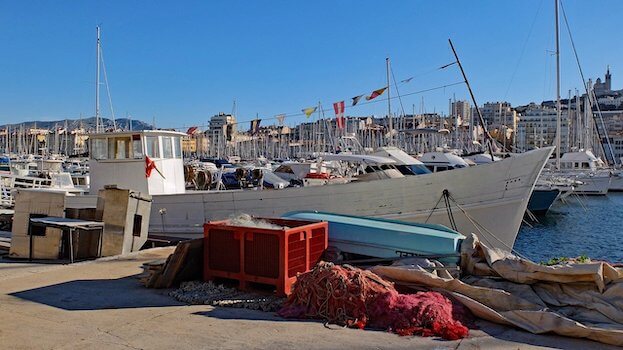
[183, 61]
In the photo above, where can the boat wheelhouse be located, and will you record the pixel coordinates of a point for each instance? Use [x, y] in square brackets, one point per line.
[442, 161]
[124, 159]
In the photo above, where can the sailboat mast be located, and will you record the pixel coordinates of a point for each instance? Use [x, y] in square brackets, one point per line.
[488, 138]
[558, 111]
[389, 107]
[97, 83]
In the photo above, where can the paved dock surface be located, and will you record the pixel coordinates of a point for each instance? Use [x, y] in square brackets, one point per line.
[101, 305]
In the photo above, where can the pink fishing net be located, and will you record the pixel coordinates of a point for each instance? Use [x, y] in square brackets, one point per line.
[358, 298]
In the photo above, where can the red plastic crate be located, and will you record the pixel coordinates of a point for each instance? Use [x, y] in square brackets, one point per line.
[259, 255]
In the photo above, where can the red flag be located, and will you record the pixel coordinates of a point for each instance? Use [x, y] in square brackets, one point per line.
[339, 114]
[376, 93]
[149, 166]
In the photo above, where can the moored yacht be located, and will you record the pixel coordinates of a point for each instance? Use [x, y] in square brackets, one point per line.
[584, 167]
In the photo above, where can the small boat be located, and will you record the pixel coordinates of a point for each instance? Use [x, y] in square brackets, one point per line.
[383, 238]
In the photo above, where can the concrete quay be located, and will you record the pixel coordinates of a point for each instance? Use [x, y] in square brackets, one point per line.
[101, 304]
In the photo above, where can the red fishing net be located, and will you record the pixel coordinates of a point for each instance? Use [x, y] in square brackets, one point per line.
[349, 296]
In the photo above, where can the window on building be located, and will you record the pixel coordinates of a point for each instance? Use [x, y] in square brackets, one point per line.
[151, 147]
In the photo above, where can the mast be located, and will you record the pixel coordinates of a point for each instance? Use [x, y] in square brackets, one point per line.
[488, 139]
[66, 134]
[558, 111]
[389, 107]
[97, 83]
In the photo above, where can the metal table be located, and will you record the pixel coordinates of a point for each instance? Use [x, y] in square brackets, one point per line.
[70, 226]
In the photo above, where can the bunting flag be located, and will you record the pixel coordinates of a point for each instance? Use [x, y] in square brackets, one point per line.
[338, 107]
[255, 126]
[447, 65]
[356, 99]
[376, 93]
[308, 111]
[406, 80]
[281, 118]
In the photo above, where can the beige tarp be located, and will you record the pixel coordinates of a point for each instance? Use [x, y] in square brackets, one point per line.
[576, 300]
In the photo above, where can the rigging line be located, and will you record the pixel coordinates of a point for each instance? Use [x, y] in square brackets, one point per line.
[577, 59]
[397, 92]
[449, 210]
[479, 226]
[345, 107]
[523, 50]
[112, 111]
[434, 208]
[447, 65]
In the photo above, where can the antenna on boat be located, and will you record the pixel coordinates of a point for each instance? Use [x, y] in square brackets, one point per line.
[389, 106]
[488, 139]
[558, 111]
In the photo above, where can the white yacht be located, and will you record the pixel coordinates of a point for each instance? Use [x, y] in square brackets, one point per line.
[488, 200]
[584, 167]
[442, 161]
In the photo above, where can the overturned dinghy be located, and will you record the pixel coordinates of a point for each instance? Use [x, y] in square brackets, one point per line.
[382, 238]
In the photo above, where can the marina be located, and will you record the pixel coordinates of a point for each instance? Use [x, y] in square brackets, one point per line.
[568, 230]
[357, 221]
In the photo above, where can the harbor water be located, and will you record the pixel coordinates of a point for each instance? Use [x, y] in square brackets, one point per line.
[583, 225]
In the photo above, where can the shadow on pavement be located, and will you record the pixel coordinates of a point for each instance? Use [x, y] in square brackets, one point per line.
[230, 313]
[98, 294]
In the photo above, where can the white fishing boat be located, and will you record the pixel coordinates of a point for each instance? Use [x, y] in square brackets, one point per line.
[488, 200]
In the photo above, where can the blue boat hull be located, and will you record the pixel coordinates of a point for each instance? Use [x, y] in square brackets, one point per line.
[542, 200]
[382, 238]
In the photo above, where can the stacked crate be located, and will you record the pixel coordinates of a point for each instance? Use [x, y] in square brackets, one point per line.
[36, 203]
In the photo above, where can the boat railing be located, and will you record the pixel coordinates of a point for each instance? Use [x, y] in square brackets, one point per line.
[10, 182]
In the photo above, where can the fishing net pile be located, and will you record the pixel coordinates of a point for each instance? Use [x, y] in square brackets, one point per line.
[349, 296]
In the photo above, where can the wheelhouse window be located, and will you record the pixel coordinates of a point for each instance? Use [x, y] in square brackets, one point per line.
[178, 147]
[137, 147]
[151, 147]
[167, 147]
[99, 149]
[122, 150]
[111, 148]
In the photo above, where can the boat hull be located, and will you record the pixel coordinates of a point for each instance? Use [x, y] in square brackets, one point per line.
[488, 200]
[541, 200]
[382, 238]
[593, 185]
[492, 200]
[616, 183]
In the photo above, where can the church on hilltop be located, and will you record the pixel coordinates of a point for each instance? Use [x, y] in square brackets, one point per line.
[604, 88]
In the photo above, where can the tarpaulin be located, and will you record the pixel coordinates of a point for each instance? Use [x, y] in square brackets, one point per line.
[573, 299]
